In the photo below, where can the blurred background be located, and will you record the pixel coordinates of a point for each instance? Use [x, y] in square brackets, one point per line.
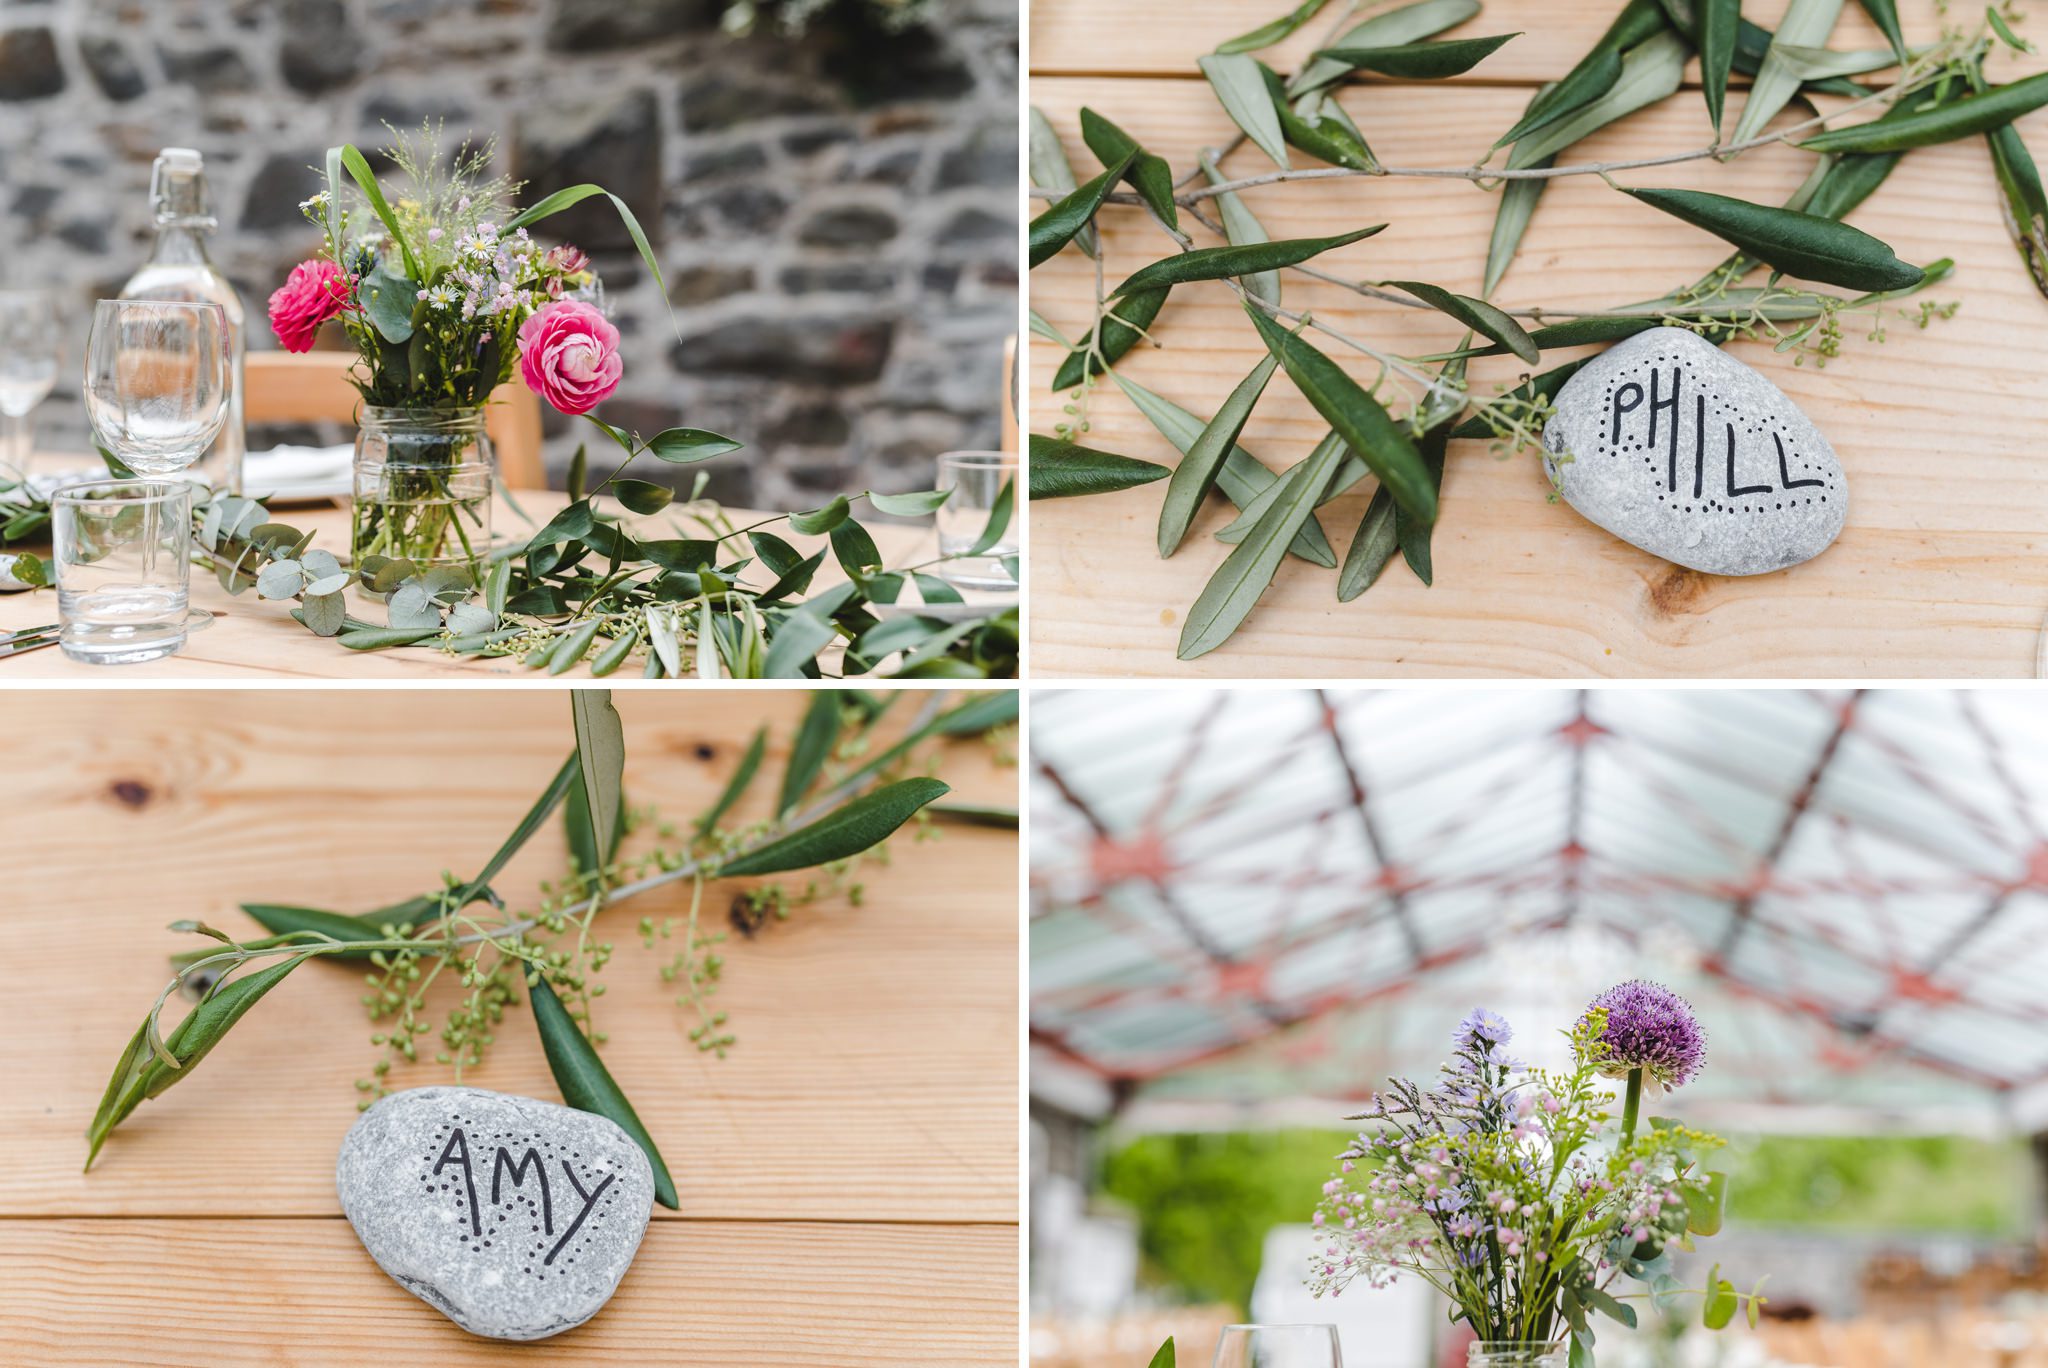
[830, 186]
[1250, 907]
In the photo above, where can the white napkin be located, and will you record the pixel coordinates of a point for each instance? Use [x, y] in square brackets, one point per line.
[292, 473]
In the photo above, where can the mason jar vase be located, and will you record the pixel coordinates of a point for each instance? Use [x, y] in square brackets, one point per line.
[1515, 1354]
[423, 484]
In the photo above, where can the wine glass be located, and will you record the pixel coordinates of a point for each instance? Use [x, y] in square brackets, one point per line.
[157, 381]
[1278, 1346]
[28, 368]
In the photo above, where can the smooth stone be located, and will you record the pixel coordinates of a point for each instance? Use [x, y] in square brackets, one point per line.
[516, 1219]
[1680, 449]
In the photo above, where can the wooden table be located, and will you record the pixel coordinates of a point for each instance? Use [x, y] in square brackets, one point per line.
[848, 1174]
[1943, 568]
[251, 638]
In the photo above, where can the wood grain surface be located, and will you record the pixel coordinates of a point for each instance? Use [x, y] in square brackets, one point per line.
[1939, 573]
[252, 639]
[847, 1175]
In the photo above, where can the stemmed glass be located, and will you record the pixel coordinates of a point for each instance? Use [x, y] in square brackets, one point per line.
[157, 377]
[1278, 1346]
[28, 368]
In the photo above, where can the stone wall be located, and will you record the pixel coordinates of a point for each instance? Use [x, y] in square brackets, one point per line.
[835, 214]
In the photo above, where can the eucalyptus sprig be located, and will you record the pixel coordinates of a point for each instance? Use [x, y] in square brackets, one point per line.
[1939, 93]
[840, 802]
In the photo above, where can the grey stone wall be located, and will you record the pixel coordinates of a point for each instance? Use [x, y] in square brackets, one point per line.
[835, 215]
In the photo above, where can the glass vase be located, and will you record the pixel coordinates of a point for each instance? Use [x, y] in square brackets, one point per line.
[423, 481]
[1514, 1354]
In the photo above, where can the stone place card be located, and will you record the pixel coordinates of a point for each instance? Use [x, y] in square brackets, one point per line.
[1682, 450]
[514, 1218]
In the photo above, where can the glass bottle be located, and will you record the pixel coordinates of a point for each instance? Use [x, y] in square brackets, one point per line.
[179, 269]
[1514, 1354]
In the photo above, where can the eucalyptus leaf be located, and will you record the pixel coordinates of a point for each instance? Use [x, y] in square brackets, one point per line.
[1240, 85]
[412, 606]
[324, 614]
[1404, 24]
[471, 619]
[1799, 244]
[1243, 229]
[1196, 474]
[859, 825]
[584, 1081]
[1419, 61]
[1977, 113]
[1704, 1207]
[1218, 263]
[601, 758]
[1127, 321]
[1061, 470]
[1475, 314]
[1056, 227]
[1051, 171]
[1149, 175]
[281, 579]
[1807, 23]
[1721, 1304]
[1356, 416]
[388, 299]
[1265, 35]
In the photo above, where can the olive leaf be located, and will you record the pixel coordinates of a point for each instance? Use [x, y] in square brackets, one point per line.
[1719, 22]
[1475, 314]
[1886, 14]
[1062, 470]
[1240, 86]
[1811, 63]
[1050, 170]
[1807, 23]
[1243, 479]
[600, 759]
[1056, 227]
[1356, 416]
[282, 919]
[1405, 24]
[1372, 546]
[1413, 534]
[1125, 323]
[2021, 200]
[1149, 175]
[1196, 474]
[750, 763]
[815, 737]
[1648, 72]
[865, 822]
[584, 1081]
[1218, 263]
[1595, 74]
[1350, 470]
[1511, 221]
[1265, 35]
[1316, 125]
[1243, 229]
[1800, 244]
[1978, 113]
[1419, 61]
[557, 789]
[1236, 587]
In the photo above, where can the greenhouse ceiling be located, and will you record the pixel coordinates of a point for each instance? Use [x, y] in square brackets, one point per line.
[1249, 896]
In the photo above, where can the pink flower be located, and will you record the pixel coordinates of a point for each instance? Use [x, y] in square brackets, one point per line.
[569, 355]
[566, 259]
[314, 292]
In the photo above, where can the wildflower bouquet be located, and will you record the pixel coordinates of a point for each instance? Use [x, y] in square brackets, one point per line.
[1508, 1190]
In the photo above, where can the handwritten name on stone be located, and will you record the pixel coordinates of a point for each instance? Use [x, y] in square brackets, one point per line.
[1678, 448]
[455, 1156]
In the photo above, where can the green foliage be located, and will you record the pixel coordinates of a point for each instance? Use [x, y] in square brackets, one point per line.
[1904, 1183]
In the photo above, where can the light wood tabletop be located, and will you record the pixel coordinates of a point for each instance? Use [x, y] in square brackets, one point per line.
[255, 639]
[1942, 570]
[848, 1175]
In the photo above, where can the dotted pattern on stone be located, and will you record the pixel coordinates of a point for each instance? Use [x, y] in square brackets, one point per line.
[1699, 455]
[518, 1189]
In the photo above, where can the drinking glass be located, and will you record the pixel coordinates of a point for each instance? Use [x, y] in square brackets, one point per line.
[977, 479]
[28, 368]
[157, 376]
[1278, 1346]
[124, 567]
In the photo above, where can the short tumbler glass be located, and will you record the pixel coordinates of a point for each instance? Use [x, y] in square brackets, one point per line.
[976, 479]
[124, 568]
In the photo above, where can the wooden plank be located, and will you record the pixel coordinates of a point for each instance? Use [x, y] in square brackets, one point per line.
[255, 640]
[215, 1293]
[1164, 37]
[875, 1076]
[1939, 572]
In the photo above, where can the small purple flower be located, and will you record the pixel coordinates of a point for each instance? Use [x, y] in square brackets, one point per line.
[1651, 1028]
[1482, 1029]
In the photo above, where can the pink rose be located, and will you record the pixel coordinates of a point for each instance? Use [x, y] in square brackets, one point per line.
[314, 292]
[569, 355]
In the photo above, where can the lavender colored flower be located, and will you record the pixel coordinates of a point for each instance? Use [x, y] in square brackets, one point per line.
[1651, 1028]
[1480, 1026]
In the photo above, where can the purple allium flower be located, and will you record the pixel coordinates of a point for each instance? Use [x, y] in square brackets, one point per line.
[1651, 1028]
[1482, 1026]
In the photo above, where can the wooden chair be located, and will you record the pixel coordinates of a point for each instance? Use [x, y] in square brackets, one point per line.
[1010, 393]
[282, 387]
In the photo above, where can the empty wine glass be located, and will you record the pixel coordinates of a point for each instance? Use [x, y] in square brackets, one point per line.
[1278, 1346]
[28, 368]
[157, 381]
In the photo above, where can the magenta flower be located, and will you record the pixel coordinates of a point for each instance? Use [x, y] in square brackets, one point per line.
[314, 292]
[1651, 1028]
[569, 355]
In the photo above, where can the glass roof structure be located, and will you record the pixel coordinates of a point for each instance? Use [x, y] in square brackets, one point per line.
[1246, 898]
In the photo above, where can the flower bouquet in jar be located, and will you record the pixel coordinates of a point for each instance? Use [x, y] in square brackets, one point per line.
[1519, 1194]
[444, 292]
